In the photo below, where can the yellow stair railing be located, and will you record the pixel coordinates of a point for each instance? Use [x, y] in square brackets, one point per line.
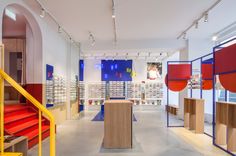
[41, 108]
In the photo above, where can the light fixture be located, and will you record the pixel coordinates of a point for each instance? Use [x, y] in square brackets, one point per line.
[113, 13]
[206, 17]
[184, 35]
[42, 14]
[59, 29]
[156, 58]
[196, 25]
[10, 14]
[214, 38]
[91, 38]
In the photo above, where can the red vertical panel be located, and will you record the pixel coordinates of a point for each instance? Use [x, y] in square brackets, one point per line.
[225, 59]
[179, 71]
[36, 90]
[207, 71]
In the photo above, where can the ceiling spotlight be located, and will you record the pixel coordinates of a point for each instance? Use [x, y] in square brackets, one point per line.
[42, 14]
[184, 35]
[113, 13]
[206, 17]
[160, 54]
[59, 29]
[91, 38]
[214, 38]
[196, 25]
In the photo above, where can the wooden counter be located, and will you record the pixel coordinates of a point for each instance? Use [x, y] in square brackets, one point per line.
[226, 125]
[118, 124]
[194, 114]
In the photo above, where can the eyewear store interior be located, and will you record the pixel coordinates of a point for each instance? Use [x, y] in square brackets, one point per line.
[117, 78]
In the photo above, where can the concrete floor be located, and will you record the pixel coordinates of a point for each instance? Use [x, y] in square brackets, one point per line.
[83, 137]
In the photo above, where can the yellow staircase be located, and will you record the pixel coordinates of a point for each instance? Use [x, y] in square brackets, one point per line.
[38, 105]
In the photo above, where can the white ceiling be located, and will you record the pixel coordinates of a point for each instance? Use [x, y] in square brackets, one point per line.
[138, 20]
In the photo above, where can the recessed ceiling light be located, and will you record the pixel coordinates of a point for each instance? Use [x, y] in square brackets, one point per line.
[214, 38]
[196, 25]
[206, 17]
[42, 14]
[113, 13]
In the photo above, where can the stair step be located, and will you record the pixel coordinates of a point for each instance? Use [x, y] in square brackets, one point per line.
[18, 117]
[13, 108]
[35, 132]
[23, 126]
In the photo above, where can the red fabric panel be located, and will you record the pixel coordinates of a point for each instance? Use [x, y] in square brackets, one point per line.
[176, 85]
[207, 71]
[207, 84]
[179, 71]
[225, 59]
[228, 81]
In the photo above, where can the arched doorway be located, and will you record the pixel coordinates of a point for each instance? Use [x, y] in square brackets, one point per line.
[22, 38]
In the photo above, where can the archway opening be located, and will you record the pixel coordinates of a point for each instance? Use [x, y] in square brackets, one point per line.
[22, 38]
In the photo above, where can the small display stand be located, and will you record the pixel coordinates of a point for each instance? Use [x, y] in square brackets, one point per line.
[194, 114]
[226, 125]
[118, 121]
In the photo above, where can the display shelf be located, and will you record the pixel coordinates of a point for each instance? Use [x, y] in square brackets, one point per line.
[194, 114]
[153, 90]
[49, 92]
[226, 125]
[59, 90]
[116, 89]
[81, 90]
[55, 91]
[96, 90]
[134, 90]
[74, 89]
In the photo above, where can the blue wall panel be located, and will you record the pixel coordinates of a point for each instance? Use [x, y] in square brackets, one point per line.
[116, 70]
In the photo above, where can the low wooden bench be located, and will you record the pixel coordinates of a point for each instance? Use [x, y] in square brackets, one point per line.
[19, 144]
[172, 109]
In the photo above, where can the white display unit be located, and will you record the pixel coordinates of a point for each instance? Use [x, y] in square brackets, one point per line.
[153, 93]
[56, 91]
[134, 92]
[81, 90]
[96, 93]
[116, 89]
[74, 89]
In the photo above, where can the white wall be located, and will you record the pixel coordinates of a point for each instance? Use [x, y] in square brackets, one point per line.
[198, 48]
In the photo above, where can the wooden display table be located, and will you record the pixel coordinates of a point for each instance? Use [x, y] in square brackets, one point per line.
[19, 145]
[118, 124]
[194, 114]
[226, 125]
